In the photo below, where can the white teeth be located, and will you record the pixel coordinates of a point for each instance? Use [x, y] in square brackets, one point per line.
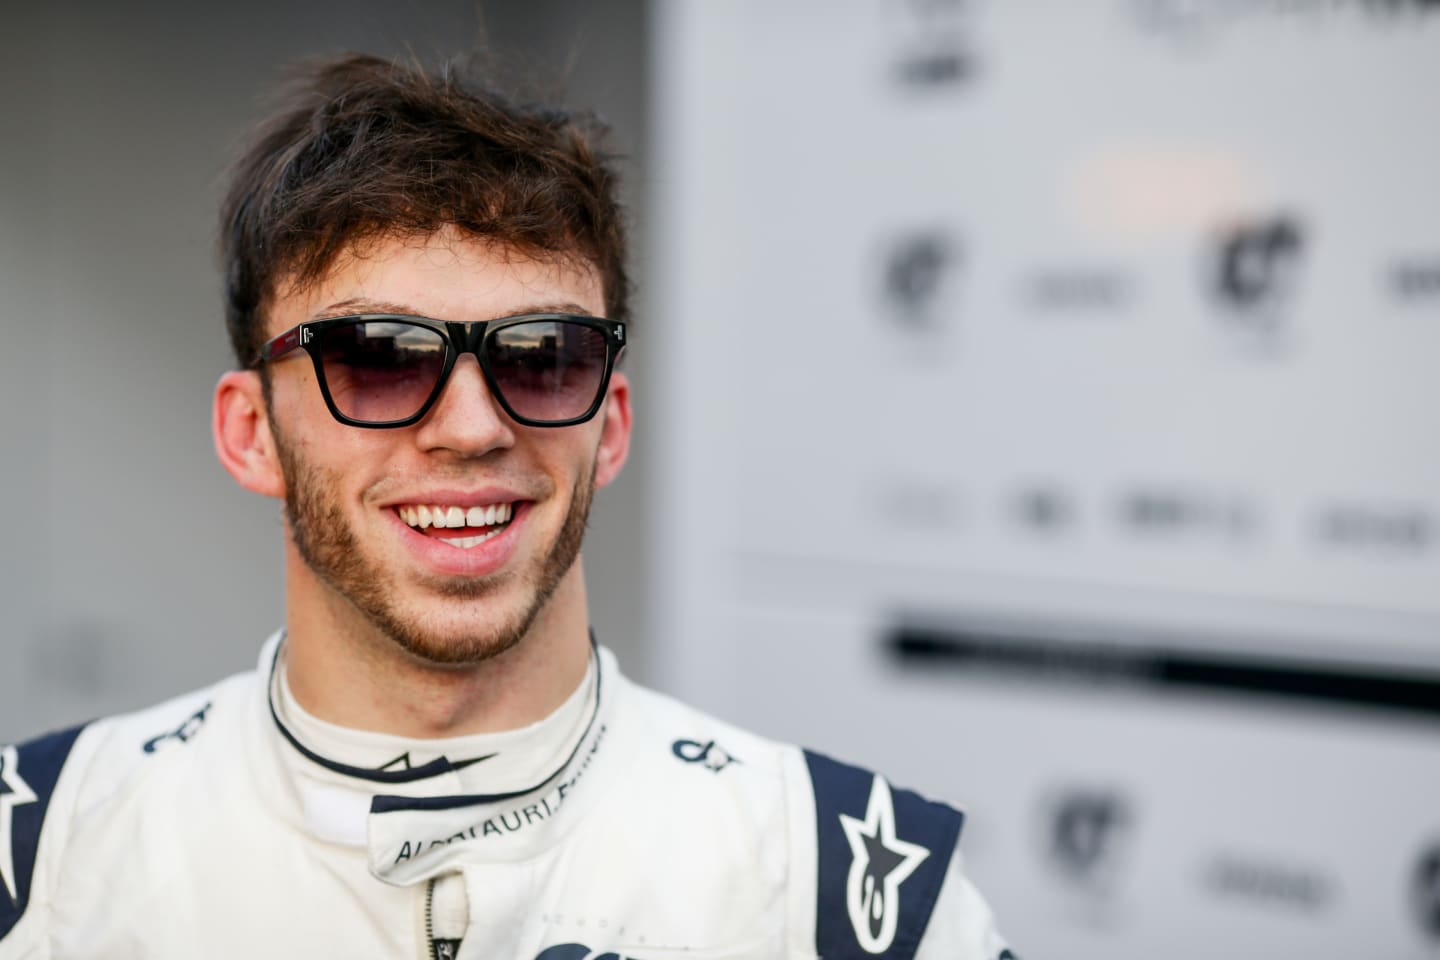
[428, 515]
[465, 543]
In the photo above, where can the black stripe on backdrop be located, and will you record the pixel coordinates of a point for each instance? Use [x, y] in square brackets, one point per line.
[1053, 658]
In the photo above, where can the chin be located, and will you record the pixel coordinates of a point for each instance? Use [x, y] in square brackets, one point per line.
[462, 632]
[437, 620]
[461, 647]
[462, 626]
[467, 651]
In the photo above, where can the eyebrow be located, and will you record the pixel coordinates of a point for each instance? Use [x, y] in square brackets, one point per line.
[357, 305]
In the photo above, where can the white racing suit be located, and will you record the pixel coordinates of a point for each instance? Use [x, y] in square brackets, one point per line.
[230, 823]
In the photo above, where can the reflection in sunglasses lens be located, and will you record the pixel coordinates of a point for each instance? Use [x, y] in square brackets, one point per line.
[381, 370]
[547, 370]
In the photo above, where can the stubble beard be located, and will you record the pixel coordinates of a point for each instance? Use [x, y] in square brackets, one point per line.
[330, 547]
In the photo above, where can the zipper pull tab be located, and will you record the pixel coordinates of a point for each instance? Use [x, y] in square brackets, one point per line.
[447, 915]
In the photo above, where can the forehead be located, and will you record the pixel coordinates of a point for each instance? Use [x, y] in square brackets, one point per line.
[445, 275]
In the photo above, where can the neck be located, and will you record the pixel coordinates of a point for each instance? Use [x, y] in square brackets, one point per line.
[343, 670]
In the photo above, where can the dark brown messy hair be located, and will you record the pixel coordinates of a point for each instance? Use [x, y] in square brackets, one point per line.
[365, 148]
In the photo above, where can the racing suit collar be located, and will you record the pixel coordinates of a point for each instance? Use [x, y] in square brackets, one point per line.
[485, 763]
[435, 818]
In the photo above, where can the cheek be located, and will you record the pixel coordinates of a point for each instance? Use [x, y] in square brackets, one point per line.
[296, 392]
[566, 459]
[332, 457]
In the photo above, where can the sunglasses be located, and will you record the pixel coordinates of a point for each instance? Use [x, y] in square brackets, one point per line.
[387, 370]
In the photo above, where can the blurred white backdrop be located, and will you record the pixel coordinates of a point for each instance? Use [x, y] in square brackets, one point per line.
[1051, 425]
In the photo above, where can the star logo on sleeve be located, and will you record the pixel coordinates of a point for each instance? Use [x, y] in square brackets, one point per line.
[14, 792]
[880, 862]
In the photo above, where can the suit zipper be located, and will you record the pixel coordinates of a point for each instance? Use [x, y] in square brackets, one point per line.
[436, 948]
[429, 940]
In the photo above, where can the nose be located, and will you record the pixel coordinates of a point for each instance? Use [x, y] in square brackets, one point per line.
[466, 418]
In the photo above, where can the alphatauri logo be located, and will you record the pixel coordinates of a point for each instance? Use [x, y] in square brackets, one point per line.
[180, 734]
[1256, 267]
[709, 754]
[916, 266]
[1084, 835]
[880, 863]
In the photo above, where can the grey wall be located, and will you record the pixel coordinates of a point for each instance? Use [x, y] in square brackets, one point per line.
[131, 567]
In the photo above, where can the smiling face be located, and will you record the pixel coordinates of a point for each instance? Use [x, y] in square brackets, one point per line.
[450, 538]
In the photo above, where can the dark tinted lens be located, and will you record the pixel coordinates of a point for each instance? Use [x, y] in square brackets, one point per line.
[547, 370]
[380, 370]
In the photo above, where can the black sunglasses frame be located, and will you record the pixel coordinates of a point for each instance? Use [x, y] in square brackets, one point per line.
[460, 337]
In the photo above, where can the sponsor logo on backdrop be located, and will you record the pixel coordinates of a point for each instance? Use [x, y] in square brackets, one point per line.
[1045, 509]
[1425, 892]
[1200, 20]
[918, 266]
[1160, 512]
[1254, 275]
[1088, 838]
[1415, 280]
[932, 46]
[921, 505]
[1077, 291]
[916, 291]
[1360, 527]
[1284, 886]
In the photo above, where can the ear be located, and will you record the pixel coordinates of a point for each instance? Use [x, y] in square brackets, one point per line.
[614, 431]
[242, 434]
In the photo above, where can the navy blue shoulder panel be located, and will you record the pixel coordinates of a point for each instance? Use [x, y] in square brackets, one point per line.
[883, 854]
[28, 774]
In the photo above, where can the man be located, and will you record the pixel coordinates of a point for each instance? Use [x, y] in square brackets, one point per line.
[426, 294]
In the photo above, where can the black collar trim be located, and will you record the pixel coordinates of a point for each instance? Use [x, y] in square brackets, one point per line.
[435, 767]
